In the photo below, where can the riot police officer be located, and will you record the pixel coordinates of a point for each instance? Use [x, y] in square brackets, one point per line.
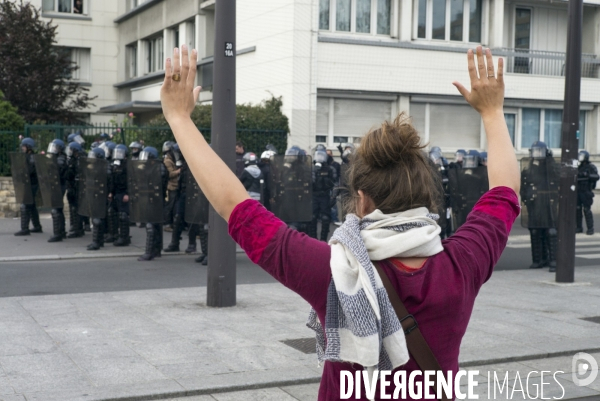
[251, 177]
[587, 176]
[136, 148]
[76, 137]
[154, 231]
[99, 222]
[57, 148]
[74, 152]
[265, 168]
[539, 194]
[112, 219]
[444, 222]
[118, 194]
[29, 211]
[324, 178]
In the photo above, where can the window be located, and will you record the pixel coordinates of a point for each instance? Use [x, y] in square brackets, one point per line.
[356, 16]
[80, 58]
[65, 6]
[511, 122]
[550, 132]
[155, 54]
[450, 20]
[348, 120]
[131, 54]
[131, 4]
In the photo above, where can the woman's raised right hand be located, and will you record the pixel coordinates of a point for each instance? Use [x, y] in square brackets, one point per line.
[487, 88]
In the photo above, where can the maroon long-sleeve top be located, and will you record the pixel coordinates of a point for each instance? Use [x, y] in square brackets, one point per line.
[440, 294]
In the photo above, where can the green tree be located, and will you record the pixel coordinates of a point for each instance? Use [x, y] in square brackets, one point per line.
[34, 72]
[251, 122]
[10, 120]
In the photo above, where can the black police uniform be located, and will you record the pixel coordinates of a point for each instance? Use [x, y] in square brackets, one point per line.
[58, 216]
[587, 177]
[324, 178]
[120, 207]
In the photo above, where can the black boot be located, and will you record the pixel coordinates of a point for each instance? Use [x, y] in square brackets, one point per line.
[578, 220]
[76, 229]
[97, 235]
[86, 224]
[176, 234]
[589, 220]
[536, 249]
[111, 226]
[56, 226]
[192, 234]
[204, 246]
[158, 240]
[35, 219]
[325, 227]
[148, 253]
[24, 222]
[552, 241]
[124, 238]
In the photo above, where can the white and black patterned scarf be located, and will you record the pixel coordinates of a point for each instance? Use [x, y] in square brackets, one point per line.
[361, 325]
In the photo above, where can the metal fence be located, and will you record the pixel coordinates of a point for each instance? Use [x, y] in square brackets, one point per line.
[541, 62]
[253, 140]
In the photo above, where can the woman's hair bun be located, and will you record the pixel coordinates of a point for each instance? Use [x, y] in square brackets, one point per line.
[387, 145]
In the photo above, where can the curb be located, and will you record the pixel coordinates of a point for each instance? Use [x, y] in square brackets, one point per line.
[40, 258]
[317, 378]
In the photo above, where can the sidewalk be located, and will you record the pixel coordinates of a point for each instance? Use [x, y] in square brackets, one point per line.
[164, 344]
[35, 247]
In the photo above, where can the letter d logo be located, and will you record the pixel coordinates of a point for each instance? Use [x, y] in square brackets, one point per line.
[582, 364]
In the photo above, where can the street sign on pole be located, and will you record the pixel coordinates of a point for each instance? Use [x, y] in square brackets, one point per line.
[221, 290]
[565, 261]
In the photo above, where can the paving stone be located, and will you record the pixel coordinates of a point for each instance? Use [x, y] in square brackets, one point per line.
[129, 370]
[303, 392]
[267, 394]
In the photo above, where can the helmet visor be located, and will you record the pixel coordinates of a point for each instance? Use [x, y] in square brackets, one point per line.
[320, 157]
[79, 139]
[538, 153]
[470, 161]
[53, 148]
[120, 154]
[145, 155]
[582, 157]
[459, 157]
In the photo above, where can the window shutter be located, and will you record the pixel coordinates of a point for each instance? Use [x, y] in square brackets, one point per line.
[454, 126]
[354, 118]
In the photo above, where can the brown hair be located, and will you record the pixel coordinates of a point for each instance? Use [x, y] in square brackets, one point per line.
[391, 167]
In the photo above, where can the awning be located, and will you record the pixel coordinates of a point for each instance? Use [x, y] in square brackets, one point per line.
[135, 106]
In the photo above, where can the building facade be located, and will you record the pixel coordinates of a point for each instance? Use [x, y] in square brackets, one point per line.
[342, 66]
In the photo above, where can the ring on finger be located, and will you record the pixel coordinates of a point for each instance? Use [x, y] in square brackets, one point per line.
[176, 77]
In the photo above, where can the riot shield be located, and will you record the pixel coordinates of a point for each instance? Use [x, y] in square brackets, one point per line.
[466, 186]
[146, 193]
[196, 204]
[443, 206]
[539, 192]
[291, 188]
[49, 180]
[93, 188]
[21, 178]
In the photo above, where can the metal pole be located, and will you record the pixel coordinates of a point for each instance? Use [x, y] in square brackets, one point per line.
[565, 261]
[221, 291]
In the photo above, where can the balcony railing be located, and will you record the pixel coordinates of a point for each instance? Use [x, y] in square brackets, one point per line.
[541, 62]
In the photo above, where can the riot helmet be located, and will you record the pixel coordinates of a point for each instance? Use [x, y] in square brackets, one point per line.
[348, 150]
[294, 154]
[149, 153]
[28, 144]
[271, 147]
[250, 159]
[320, 146]
[120, 152]
[459, 155]
[471, 159]
[74, 149]
[76, 137]
[320, 157]
[178, 155]
[104, 137]
[167, 146]
[483, 158]
[136, 148]
[539, 150]
[108, 148]
[436, 149]
[56, 146]
[94, 145]
[436, 157]
[584, 156]
[267, 154]
[96, 153]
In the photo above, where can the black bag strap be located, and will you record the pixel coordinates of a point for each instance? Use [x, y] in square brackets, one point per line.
[417, 346]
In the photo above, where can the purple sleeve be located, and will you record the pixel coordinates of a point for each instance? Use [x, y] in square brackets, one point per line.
[294, 259]
[478, 244]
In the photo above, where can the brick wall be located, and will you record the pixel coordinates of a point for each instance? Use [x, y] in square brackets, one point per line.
[8, 204]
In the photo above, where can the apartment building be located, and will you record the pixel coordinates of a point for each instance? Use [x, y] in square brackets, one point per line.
[342, 66]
